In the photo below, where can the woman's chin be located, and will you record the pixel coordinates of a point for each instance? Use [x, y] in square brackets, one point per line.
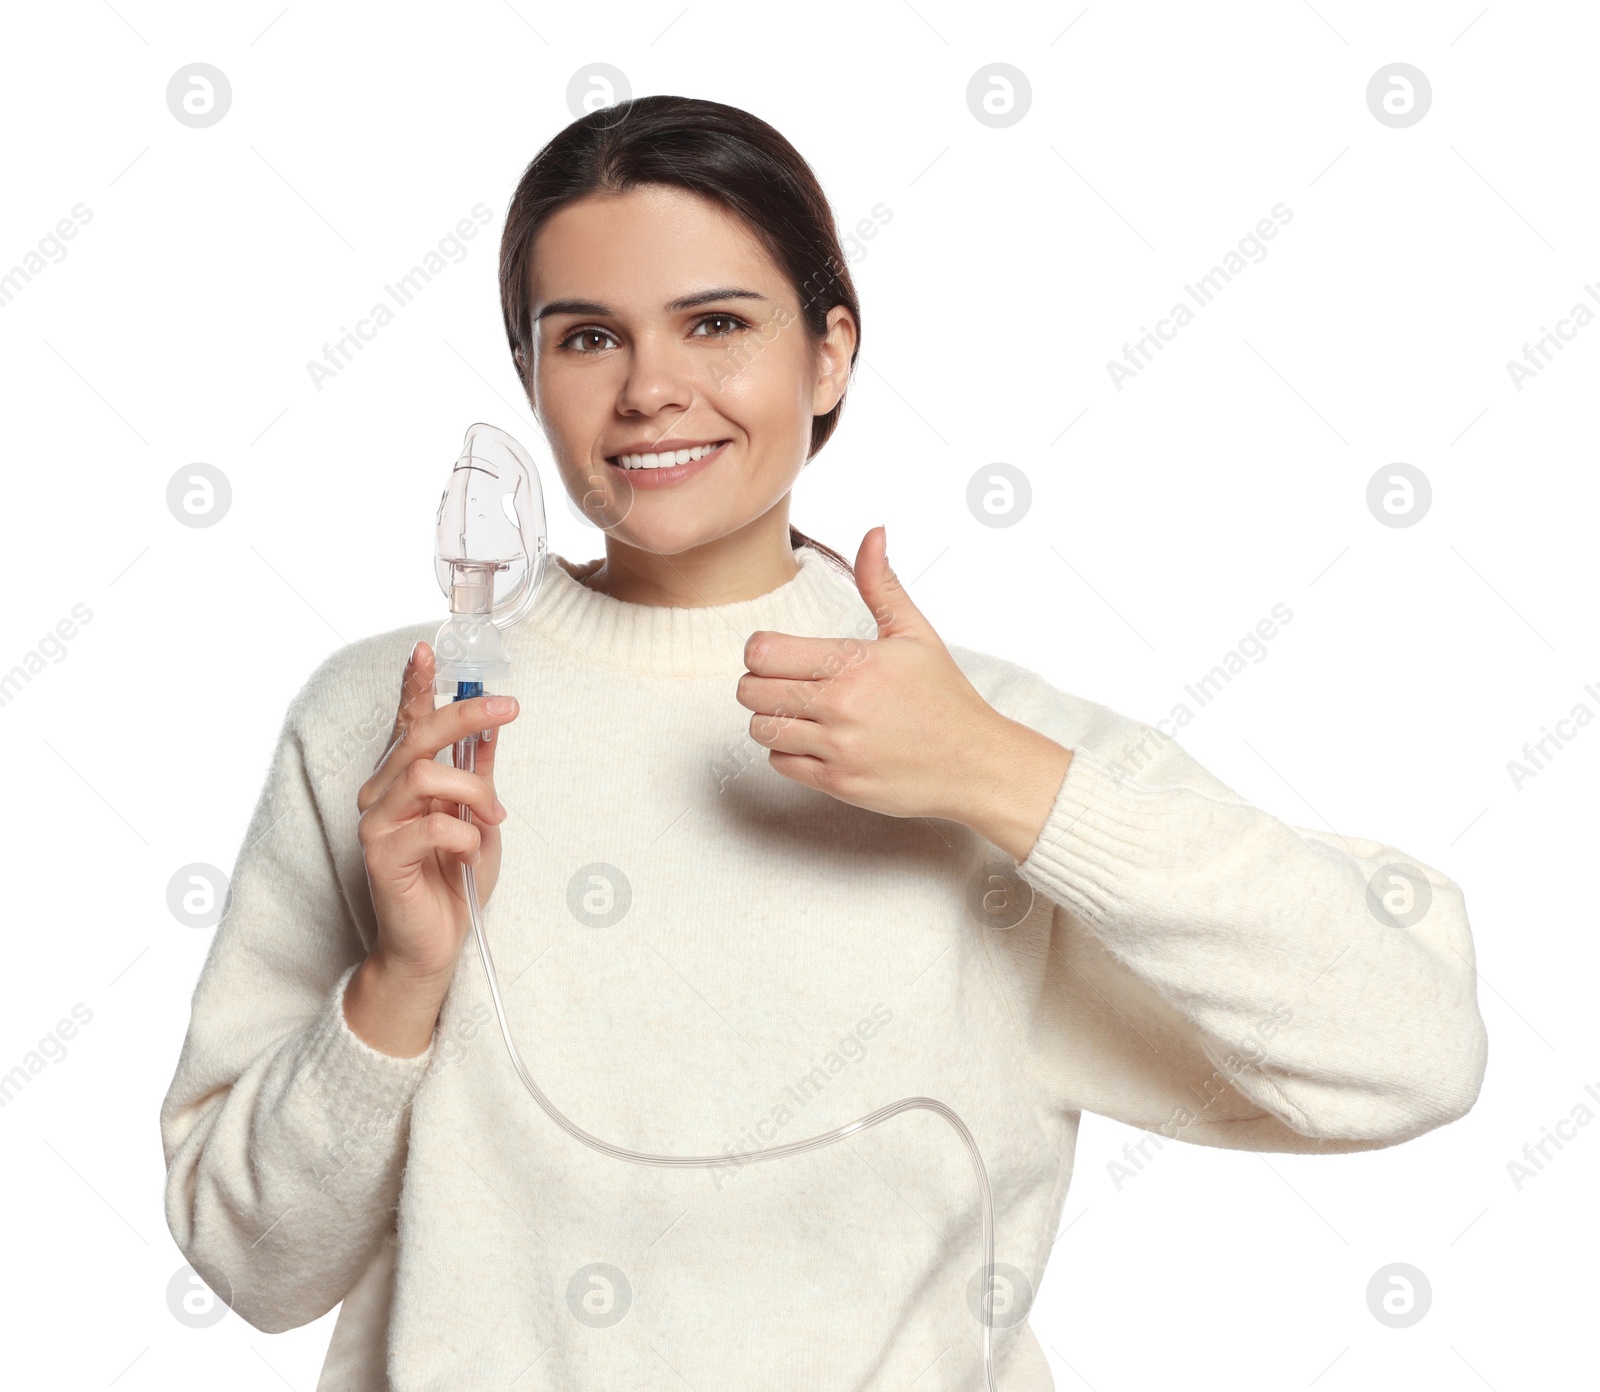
[663, 538]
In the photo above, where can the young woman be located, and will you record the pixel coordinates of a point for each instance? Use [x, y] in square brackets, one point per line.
[775, 856]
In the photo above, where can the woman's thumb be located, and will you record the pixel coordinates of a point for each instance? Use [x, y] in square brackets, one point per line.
[882, 591]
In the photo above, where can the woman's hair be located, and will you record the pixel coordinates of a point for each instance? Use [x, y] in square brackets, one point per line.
[719, 152]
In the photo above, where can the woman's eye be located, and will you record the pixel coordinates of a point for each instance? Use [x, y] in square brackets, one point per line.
[730, 319]
[577, 334]
[582, 341]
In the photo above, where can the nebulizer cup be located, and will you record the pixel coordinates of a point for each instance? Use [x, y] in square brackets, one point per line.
[490, 558]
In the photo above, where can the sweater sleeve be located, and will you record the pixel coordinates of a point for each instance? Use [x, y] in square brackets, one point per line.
[1200, 968]
[284, 1132]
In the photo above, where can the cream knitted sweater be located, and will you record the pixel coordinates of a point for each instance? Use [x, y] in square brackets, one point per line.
[700, 956]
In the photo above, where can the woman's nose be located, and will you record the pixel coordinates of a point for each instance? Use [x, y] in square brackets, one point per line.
[659, 376]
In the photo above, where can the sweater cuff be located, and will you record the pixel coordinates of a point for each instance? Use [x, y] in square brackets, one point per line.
[1095, 841]
[350, 1072]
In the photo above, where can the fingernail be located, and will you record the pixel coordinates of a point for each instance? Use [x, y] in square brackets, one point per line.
[499, 808]
[411, 661]
[498, 705]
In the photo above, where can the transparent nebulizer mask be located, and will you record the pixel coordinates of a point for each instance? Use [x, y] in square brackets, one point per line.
[489, 560]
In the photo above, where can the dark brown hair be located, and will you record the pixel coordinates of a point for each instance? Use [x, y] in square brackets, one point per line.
[721, 153]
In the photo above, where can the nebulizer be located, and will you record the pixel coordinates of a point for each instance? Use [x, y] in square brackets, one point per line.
[489, 562]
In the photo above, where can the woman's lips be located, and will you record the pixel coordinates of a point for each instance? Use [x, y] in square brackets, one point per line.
[673, 474]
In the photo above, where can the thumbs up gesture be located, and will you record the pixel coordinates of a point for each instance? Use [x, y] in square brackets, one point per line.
[892, 724]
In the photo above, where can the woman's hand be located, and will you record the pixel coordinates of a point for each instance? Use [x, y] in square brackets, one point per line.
[412, 836]
[893, 725]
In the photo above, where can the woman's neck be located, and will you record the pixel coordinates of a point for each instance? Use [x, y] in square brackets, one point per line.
[752, 561]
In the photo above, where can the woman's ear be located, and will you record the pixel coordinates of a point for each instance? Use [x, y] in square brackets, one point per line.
[834, 353]
[522, 376]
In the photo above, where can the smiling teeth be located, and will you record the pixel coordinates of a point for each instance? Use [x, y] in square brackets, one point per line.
[666, 460]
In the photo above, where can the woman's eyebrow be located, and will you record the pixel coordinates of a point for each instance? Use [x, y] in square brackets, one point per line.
[700, 297]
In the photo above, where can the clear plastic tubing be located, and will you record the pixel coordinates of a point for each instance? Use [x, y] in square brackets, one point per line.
[466, 757]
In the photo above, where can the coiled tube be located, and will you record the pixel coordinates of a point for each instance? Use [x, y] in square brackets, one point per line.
[466, 757]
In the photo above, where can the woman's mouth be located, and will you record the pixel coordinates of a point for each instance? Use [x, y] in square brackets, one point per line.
[668, 467]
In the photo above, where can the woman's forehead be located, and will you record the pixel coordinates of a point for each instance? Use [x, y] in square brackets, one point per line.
[646, 252]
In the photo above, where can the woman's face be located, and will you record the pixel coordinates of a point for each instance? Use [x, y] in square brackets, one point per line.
[661, 324]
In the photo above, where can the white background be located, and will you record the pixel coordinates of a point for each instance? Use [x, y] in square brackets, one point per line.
[1168, 517]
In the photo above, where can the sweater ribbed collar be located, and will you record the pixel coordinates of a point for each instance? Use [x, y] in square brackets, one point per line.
[687, 640]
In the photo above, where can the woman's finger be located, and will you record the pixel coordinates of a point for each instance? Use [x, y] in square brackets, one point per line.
[488, 746]
[769, 695]
[788, 734]
[411, 795]
[483, 756]
[423, 736]
[416, 700]
[416, 692]
[441, 728]
[413, 842]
